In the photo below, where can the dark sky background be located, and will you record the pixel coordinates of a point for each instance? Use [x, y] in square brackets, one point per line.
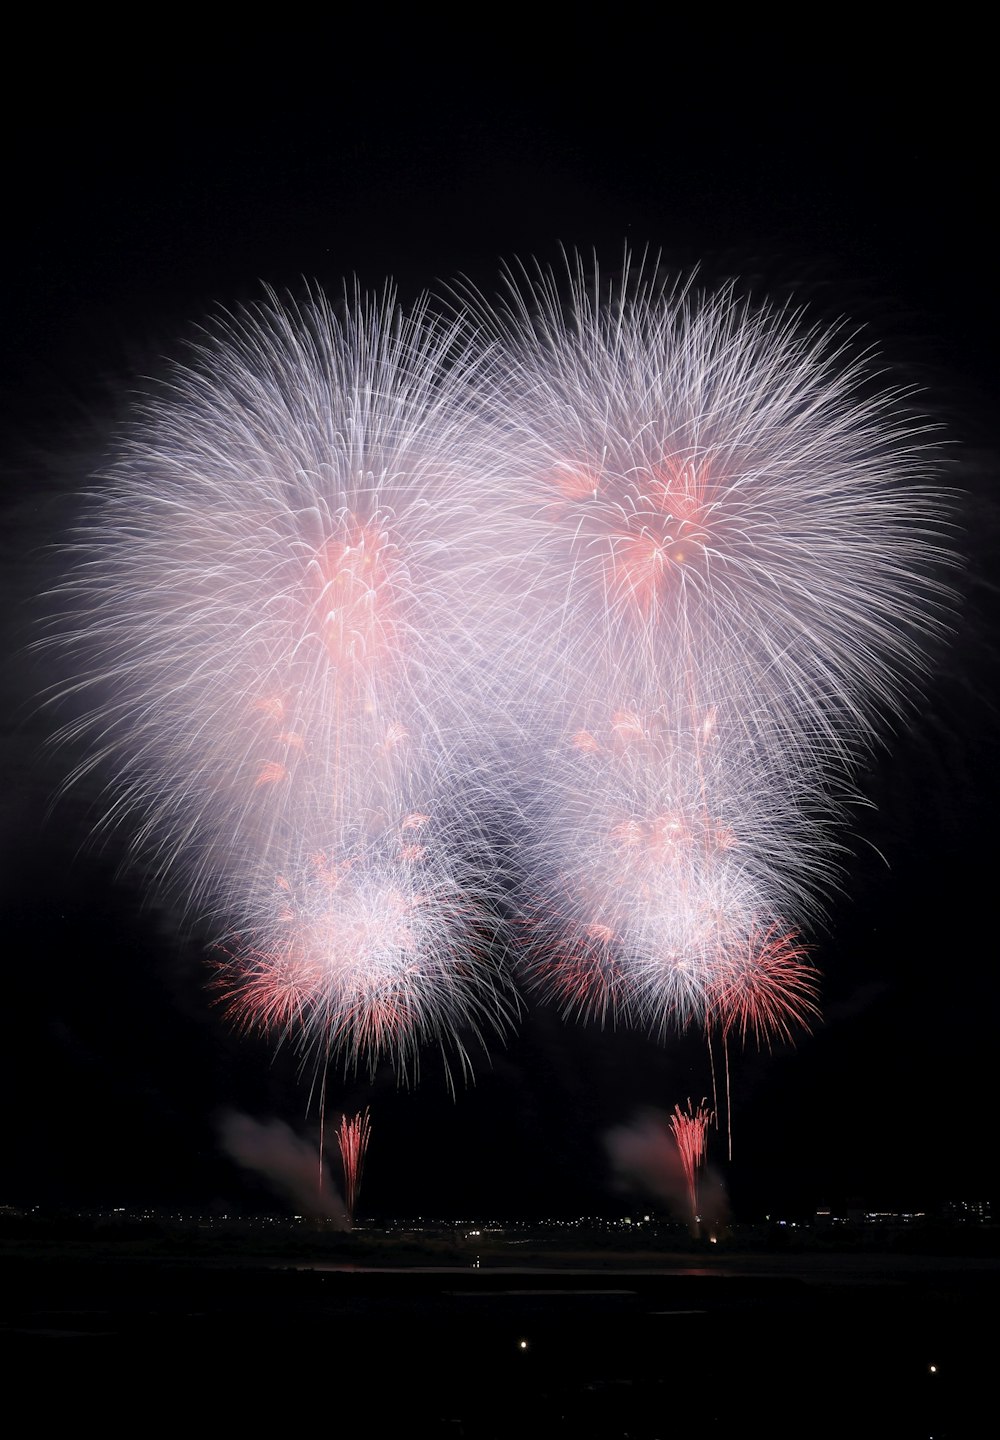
[138, 201]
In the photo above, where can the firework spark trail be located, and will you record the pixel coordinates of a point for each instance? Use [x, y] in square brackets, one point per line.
[273, 631]
[690, 1131]
[352, 1140]
[725, 543]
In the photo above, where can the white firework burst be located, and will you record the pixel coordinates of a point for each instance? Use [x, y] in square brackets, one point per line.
[694, 480]
[270, 619]
[727, 558]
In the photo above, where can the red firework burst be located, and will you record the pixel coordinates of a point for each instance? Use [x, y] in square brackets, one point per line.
[765, 986]
[578, 968]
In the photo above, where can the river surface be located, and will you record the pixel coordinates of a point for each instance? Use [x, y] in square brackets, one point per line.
[787, 1345]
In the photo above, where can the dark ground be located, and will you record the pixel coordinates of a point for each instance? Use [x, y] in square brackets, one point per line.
[526, 1343]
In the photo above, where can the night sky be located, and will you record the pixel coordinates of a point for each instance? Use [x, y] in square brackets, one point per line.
[140, 203]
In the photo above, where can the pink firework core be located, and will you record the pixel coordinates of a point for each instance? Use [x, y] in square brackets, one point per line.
[640, 528]
[353, 606]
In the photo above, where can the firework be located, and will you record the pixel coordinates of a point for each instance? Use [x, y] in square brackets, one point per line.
[695, 477]
[651, 857]
[727, 556]
[273, 636]
[372, 964]
[352, 1141]
[690, 1131]
[765, 985]
[582, 605]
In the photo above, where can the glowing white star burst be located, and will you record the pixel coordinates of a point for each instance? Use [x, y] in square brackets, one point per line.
[271, 622]
[698, 480]
[727, 554]
[649, 857]
[368, 960]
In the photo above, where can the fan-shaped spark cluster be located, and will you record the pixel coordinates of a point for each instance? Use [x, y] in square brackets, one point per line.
[578, 608]
[690, 1131]
[353, 1135]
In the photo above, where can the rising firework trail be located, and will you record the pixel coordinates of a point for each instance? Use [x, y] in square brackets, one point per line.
[690, 1131]
[352, 1140]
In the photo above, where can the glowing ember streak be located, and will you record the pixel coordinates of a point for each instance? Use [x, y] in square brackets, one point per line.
[352, 1140]
[271, 773]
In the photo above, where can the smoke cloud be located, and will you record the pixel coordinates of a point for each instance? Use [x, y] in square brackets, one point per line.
[645, 1159]
[288, 1164]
